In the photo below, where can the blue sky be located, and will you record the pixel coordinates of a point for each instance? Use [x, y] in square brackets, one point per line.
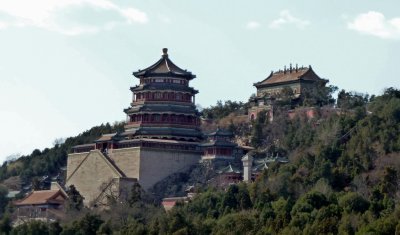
[66, 65]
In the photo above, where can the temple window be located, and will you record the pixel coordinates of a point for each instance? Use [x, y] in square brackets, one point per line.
[173, 118]
[157, 117]
[165, 117]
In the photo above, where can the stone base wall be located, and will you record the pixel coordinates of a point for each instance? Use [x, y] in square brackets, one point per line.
[156, 164]
[73, 161]
[255, 110]
[128, 160]
[91, 172]
[116, 189]
[88, 172]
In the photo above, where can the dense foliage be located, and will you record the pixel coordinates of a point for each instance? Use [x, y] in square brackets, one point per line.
[223, 109]
[342, 178]
[49, 161]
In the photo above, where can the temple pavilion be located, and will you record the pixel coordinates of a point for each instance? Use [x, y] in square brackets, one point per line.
[163, 105]
[161, 136]
[219, 145]
[295, 80]
[162, 113]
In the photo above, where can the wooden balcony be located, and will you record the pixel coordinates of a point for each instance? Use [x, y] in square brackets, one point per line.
[161, 124]
[162, 101]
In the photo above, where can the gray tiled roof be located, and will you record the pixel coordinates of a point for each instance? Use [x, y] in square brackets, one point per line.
[162, 108]
[164, 67]
[164, 86]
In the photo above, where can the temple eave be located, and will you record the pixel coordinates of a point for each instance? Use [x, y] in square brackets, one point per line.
[260, 85]
[146, 74]
[161, 124]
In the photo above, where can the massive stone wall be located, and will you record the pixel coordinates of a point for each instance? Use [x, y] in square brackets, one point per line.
[88, 172]
[156, 164]
[73, 161]
[128, 160]
[91, 172]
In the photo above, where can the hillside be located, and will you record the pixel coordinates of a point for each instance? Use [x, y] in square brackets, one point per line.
[342, 177]
[37, 169]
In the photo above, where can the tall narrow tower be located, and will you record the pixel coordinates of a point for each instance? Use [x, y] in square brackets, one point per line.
[163, 105]
[247, 166]
[161, 137]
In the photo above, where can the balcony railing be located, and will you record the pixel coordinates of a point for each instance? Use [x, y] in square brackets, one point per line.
[163, 123]
[142, 101]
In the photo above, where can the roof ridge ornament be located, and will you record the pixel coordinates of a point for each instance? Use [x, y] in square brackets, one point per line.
[165, 52]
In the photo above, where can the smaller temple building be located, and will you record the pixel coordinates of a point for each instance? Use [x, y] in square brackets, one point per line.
[220, 146]
[169, 202]
[231, 174]
[42, 205]
[294, 82]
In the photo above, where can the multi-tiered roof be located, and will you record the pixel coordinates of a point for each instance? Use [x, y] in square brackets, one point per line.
[220, 146]
[163, 105]
[162, 113]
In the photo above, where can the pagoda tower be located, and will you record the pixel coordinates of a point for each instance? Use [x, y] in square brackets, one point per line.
[163, 104]
[161, 137]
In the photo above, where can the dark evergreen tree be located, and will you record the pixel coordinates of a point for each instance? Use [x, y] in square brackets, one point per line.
[135, 194]
[5, 225]
[75, 199]
[257, 136]
[3, 199]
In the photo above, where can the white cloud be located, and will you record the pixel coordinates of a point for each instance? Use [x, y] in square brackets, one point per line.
[3, 25]
[253, 25]
[44, 14]
[286, 18]
[374, 23]
[134, 16]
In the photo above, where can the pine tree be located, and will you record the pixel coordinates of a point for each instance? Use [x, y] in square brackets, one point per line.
[75, 199]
